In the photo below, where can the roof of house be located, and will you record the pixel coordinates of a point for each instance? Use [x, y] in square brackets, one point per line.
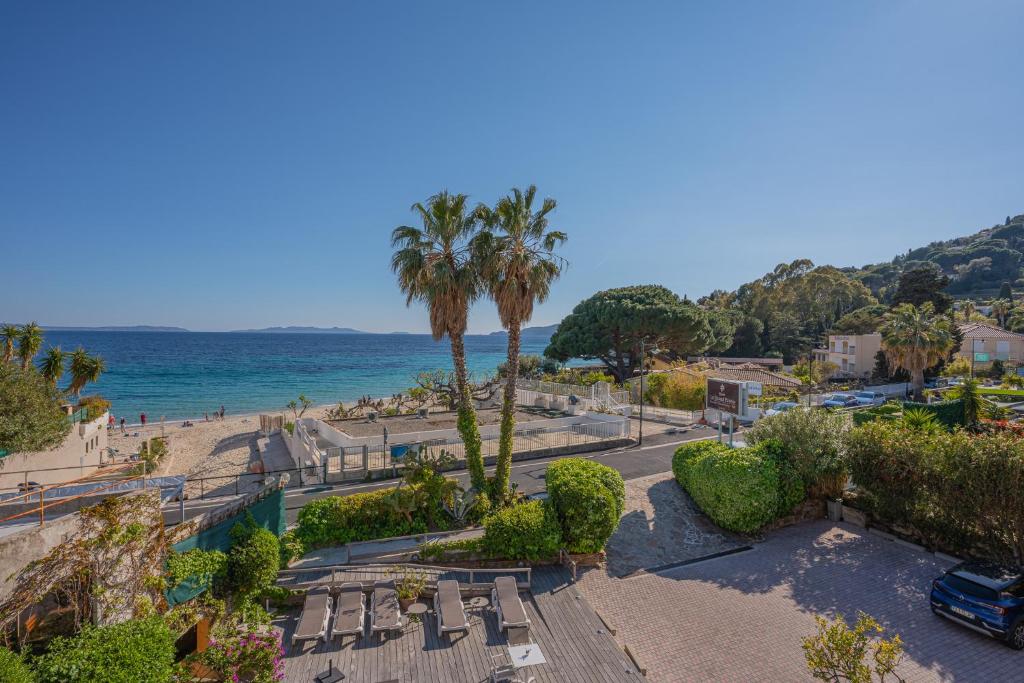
[754, 374]
[712, 360]
[986, 331]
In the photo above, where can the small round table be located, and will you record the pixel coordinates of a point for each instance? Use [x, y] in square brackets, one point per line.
[417, 608]
[479, 602]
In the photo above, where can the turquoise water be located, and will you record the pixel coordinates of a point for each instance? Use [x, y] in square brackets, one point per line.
[185, 374]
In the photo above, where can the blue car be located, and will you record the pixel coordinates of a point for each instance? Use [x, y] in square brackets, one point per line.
[988, 598]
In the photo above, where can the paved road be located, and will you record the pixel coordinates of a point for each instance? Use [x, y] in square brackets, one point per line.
[632, 462]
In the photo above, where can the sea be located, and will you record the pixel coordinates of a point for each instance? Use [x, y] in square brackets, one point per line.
[180, 375]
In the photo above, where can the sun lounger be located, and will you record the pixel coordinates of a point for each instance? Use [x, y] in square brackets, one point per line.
[316, 612]
[385, 614]
[350, 612]
[448, 607]
[508, 605]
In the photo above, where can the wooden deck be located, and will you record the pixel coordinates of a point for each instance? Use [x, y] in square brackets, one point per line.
[574, 642]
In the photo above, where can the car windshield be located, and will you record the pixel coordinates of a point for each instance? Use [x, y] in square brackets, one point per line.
[962, 585]
[865, 394]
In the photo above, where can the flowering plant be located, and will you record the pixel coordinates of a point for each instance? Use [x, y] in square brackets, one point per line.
[247, 657]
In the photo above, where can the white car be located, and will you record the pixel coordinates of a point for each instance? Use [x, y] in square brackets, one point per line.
[780, 407]
[870, 398]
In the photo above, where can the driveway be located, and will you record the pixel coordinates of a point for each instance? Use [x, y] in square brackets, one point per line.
[741, 617]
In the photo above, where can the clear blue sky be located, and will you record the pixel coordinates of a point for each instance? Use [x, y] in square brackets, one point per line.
[218, 165]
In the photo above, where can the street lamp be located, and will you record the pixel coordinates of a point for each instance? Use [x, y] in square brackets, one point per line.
[643, 371]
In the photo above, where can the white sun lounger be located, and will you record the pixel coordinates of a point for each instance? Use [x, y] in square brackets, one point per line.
[385, 614]
[508, 605]
[351, 611]
[316, 612]
[451, 616]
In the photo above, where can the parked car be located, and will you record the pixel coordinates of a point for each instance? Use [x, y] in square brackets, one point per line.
[839, 400]
[988, 598]
[870, 398]
[780, 407]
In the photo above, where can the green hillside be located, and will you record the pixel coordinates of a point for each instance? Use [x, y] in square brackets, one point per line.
[977, 265]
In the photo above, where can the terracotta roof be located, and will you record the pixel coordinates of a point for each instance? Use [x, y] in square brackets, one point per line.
[755, 375]
[986, 331]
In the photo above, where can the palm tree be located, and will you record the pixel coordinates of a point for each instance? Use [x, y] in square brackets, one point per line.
[84, 369]
[915, 339]
[52, 365]
[516, 253]
[29, 341]
[10, 333]
[968, 310]
[1000, 309]
[434, 265]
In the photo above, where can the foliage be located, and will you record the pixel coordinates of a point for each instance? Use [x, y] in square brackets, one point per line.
[610, 326]
[959, 492]
[410, 583]
[136, 651]
[84, 369]
[248, 657]
[916, 339]
[958, 367]
[522, 531]
[30, 340]
[921, 284]
[94, 406]
[200, 566]
[517, 260]
[289, 427]
[864, 320]
[920, 420]
[949, 413]
[254, 557]
[812, 443]
[588, 498]
[967, 392]
[300, 406]
[338, 520]
[887, 411]
[151, 452]
[814, 373]
[14, 668]
[838, 653]
[677, 390]
[532, 366]
[740, 489]
[436, 266]
[439, 550]
[31, 417]
[51, 365]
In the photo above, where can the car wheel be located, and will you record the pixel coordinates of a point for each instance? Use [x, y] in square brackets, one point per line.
[1015, 638]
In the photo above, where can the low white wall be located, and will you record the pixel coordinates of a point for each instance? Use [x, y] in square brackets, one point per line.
[78, 456]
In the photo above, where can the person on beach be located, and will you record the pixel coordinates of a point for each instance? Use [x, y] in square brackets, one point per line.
[142, 419]
[124, 431]
[110, 422]
[222, 412]
[206, 416]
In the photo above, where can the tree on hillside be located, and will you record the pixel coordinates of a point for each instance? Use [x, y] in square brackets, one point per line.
[435, 266]
[923, 283]
[746, 339]
[1006, 291]
[915, 338]
[864, 320]
[31, 417]
[516, 255]
[610, 326]
[1000, 310]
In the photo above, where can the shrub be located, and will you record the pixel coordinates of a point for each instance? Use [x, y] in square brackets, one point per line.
[838, 653]
[196, 565]
[13, 668]
[740, 489]
[439, 550]
[94, 406]
[588, 498]
[247, 657]
[811, 442]
[949, 413]
[957, 491]
[525, 531]
[254, 558]
[360, 517]
[138, 651]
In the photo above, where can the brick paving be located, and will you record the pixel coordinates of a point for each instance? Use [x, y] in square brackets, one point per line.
[741, 617]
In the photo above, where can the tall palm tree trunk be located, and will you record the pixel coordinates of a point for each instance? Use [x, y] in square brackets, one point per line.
[917, 382]
[508, 412]
[468, 429]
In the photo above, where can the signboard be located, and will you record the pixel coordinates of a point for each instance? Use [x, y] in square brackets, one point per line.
[753, 388]
[724, 395]
[980, 357]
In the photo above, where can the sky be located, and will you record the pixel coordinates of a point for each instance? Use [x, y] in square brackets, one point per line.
[225, 165]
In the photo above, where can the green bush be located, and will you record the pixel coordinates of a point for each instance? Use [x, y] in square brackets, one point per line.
[960, 492]
[360, 517]
[949, 413]
[811, 443]
[94, 406]
[588, 498]
[524, 531]
[740, 489]
[137, 651]
[13, 668]
[254, 558]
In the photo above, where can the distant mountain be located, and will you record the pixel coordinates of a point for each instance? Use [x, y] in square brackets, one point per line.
[115, 328]
[296, 329]
[542, 332]
[977, 265]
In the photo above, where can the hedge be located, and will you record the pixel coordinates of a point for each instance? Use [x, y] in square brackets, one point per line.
[13, 668]
[254, 558]
[950, 414]
[343, 519]
[137, 651]
[958, 492]
[525, 531]
[588, 498]
[740, 489]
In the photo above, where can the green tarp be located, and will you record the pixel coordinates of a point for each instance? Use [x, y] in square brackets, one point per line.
[268, 513]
